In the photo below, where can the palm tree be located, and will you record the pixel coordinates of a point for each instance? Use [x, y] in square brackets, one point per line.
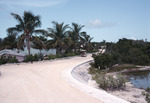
[86, 41]
[27, 27]
[75, 35]
[0, 43]
[9, 42]
[39, 43]
[58, 34]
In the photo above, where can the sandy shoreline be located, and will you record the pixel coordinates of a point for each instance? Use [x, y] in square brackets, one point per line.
[42, 82]
[131, 93]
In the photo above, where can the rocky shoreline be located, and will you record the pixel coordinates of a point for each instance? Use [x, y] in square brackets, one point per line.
[131, 93]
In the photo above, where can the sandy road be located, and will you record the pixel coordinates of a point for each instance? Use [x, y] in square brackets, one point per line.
[41, 83]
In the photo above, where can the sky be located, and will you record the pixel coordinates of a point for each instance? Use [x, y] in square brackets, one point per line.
[108, 20]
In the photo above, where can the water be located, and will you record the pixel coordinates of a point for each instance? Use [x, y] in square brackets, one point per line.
[140, 79]
[36, 51]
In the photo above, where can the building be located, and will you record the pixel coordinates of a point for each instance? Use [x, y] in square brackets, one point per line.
[12, 53]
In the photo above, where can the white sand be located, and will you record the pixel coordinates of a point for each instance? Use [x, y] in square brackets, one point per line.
[131, 93]
[80, 75]
[42, 82]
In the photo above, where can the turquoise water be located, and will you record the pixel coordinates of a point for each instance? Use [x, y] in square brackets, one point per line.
[140, 79]
[36, 51]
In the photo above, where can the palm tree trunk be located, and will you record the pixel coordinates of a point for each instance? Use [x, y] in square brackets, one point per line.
[28, 46]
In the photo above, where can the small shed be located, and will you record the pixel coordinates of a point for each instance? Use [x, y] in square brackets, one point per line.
[19, 56]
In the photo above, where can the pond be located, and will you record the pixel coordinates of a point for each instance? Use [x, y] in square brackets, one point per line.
[140, 79]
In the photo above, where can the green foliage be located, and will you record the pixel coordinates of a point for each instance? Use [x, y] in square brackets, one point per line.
[51, 57]
[92, 51]
[122, 67]
[4, 59]
[108, 82]
[12, 60]
[26, 25]
[59, 55]
[102, 61]
[69, 54]
[9, 42]
[31, 58]
[130, 52]
[147, 96]
[41, 56]
[93, 70]
[148, 89]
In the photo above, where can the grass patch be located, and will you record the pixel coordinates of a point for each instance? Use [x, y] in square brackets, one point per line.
[122, 67]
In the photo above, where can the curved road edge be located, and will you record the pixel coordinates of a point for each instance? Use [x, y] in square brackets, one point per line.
[97, 93]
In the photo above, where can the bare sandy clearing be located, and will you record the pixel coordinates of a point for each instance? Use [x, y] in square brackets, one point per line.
[40, 83]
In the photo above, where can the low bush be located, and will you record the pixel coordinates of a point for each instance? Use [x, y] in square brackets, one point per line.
[41, 56]
[93, 70]
[109, 82]
[147, 95]
[102, 61]
[31, 58]
[69, 54]
[122, 67]
[13, 60]
[4, 59]
[92, 51]
[51, 56]
[59, 55]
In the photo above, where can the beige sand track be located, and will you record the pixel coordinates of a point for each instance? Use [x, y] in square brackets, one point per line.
[41, 83]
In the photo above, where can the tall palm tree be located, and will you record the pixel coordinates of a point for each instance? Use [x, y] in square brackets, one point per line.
[75, 35]
[58, 34]
[39, 43]
[9, 42]
[86, 41]
[27, 27]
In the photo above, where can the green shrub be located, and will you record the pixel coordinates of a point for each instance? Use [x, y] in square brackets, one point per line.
[69, 54]
[13, 60]
[147, 96]
[41, 56]
[31, 58]
[102, 61]
[92, 51]
[51, 57]
[4, 59]
[93, 70]
[36, 57]
[59, 56]
[122, 67]
[108, 82]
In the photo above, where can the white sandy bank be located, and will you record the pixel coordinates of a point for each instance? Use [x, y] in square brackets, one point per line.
[40, 82]
[81, 83]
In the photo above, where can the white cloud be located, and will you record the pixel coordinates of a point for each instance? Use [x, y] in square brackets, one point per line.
[133, 38]
[31, 3]
[94, 23]
[97, 23]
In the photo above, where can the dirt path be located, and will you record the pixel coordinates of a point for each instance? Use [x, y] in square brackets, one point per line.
[41, 83]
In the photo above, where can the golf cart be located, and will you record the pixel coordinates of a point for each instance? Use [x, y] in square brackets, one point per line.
[83, 53]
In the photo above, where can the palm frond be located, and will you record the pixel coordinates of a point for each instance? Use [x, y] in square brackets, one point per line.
[18, 18]
[40, 31]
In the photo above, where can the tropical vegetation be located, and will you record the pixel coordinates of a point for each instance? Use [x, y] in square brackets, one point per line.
[67, 40]
[27, 27]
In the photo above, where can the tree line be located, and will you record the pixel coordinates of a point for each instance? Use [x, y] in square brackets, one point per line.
[125, 51]
[62, 37]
